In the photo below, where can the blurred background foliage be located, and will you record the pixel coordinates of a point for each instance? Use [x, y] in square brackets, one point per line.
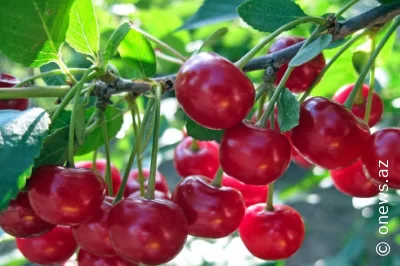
[341, 231]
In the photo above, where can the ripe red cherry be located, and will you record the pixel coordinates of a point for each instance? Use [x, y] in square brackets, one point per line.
[101, 166]
[251, 194]
[352, 181]
[146, 231]
[133, 184]
[213, 91]
[328, 134]
[254, 155]
[157, 195]
[19, 220]
[65, 196]
[204, 161]
[302, 76]
[359, 109]
[299, 159]
[8, 81]
[381, 157]
[272, 235]
[87, 259]
[56, 246]
[92, 235]
[211, 212]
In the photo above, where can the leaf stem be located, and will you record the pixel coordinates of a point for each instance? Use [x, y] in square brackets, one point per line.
[50, 73]
[66, 71]
[345, 8]
[217, 181]
[108, 177]
[371, 84]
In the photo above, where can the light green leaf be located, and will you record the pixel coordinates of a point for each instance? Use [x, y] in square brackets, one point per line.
[201, 133]
[288, 111]
[311, 51]
[114, 41]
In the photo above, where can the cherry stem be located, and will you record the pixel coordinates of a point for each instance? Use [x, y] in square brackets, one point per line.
[154, 151]
[259, 92]
[371, 84]
[270, 198]
[345, 8]
[94, 159]
[34, 92]
[134, 112]
[360, 81]
[359, 98]
[109, 183]
[217, 182]
[168, 58]
[194, 146]
[261, 104]
[66, 70]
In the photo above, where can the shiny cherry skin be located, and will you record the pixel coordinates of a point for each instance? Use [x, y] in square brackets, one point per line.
[251, 194]
[101, 166]
[133, 184]
[150, 232]
[253, 155]
[381, 157]
[92, 235]
[213, 91]
[8, 81]
[299, 159]
[352, 181]
[157, 195]
[359, 109]
[272, 235]
[56, 246]
[19, 220]
[328, 134]
[211, 212]
[302, 76]
[204, 161]
[65, 196]
[87, 259]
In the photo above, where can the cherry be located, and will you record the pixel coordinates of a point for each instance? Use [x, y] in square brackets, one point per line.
[272, 235]
[203, 161]
[157, 194]
[92, 235]
[299, 159]
[56, 246]
[101, 166]
[328, 134]
[133, 184]
[211, 212]
[381, 157]
[213, 91]
[253, 155]
[352, 181]
[65, 196]
[146, 231]
[302, 76]
[19, 220]
[359, 109]
[251, 194]
[8, 81]
[87, 259]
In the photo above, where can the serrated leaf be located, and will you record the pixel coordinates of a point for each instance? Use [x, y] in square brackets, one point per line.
[360, 59]
[269, 15]
[288, 111]
[136, 51]
[215, 36]
[212, 11]
[201, 133]
[114, 41]
[83, 33]
[21, 138]
[311, 51]
[33, 30]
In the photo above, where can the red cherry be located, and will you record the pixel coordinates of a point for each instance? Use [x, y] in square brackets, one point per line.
[302, 76]
[251, 194]
[328, 134]
[211, 212]
[272, 235]
[56, 246]
[87, 259]
[19, 220]
[133, 185]
[352, 181]
[359, 109]
[8, 81]
[299, 159]
[204, 161]
[381, 157]
[157, 194]
[92, 235]
[254, 155]
[65, 196]
[101, 166]
[213, 91]
[147, 231]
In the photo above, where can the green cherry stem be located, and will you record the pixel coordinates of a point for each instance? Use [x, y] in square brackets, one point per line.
[270, 198]
[34, 92]
[195, 145]
[135, 124]
[66, 70]
[217, 182]
[108, 153]
[168, 58]
[371, 84]
[345, 8]
[94, 159]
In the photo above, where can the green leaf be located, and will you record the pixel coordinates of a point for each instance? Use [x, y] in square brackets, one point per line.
[311, 51]
[114, 41]
[360, 59]
[269, 15]
[201, 133]
[136, 51]
[33, 30]
[212, 11]
[53, 80]
[21, 138]
[215, 36]
[388, 2]
[336, 43]
[288, 111]
[83, 34]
